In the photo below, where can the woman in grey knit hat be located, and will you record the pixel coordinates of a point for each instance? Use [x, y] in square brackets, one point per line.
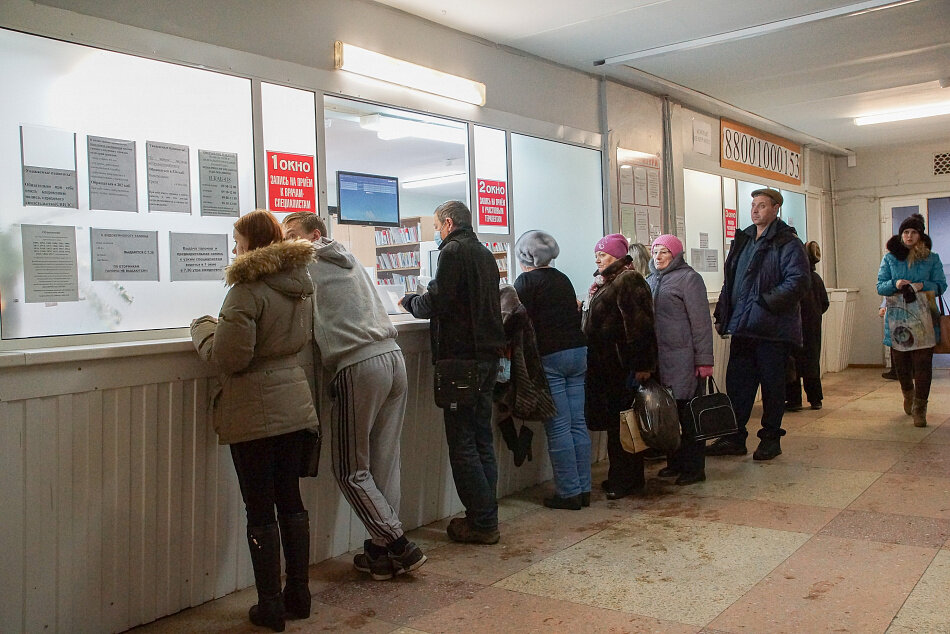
[551, 302]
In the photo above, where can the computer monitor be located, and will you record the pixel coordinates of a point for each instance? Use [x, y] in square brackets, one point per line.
[367, 199]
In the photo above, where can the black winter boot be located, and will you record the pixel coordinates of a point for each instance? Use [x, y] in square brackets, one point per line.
[509, 434]
[264, 544]
[295, 535]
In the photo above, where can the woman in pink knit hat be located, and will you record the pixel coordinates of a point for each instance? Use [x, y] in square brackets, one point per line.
[684, 340]
[621, 349]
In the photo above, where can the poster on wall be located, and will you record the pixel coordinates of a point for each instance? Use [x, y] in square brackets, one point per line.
[290, 182]
[119, 254]
[169, 177]
[218, 183]
[492, 203]
[112, 184]
[626, 184]
[197, 256]
[48, 167]
[729, 219]
[704, 260]
[640, 195]
[50, 269]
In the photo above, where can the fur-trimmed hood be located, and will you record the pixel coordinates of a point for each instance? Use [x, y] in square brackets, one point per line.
[281, 265]
[896, 246]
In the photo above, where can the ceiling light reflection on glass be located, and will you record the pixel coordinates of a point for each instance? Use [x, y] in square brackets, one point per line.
[390, 128]
[433, 180]
[396, 71]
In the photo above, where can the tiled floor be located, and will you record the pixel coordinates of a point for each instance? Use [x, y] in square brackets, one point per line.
[847, 531]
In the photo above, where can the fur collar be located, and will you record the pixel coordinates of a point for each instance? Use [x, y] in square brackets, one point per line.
[896, 246]
[274, 258]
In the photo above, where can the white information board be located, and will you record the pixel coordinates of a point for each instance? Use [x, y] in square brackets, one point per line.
[99, 168]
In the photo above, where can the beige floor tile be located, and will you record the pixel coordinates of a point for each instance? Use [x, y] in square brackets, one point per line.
[830, 584]
[759, 513]
[842, 453]
[679, 569]
[939, 436]
[785, 484]
[524, 541]
[495, 610]
[396, 600]
[907, 530]
[924, 460]
[867, 426]
[229, 615]
[907, 495]
[927, 609]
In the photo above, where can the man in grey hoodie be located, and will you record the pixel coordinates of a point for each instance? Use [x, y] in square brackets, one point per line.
[355, 349]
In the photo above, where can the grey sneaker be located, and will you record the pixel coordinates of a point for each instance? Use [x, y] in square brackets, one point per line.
[374, 560]
[411, 558]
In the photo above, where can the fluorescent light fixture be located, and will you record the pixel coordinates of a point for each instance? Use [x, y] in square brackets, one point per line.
[390, 128]
[920, 112]
[396, 71]
[435, 179]
[624, 154]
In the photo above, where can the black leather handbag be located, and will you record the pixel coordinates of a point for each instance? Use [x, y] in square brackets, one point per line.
[712, 413]
[312, 444]
[456, 383]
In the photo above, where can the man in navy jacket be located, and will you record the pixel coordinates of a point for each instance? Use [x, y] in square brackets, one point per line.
[767, 274]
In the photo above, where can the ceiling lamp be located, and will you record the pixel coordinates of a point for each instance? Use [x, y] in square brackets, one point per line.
[435, 179]
[396, 71]
[920, 112]
[391, 128]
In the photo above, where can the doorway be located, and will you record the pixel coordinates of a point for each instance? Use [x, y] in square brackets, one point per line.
[936, 213]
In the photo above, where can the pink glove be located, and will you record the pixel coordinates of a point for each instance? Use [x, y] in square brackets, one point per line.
[704, 371]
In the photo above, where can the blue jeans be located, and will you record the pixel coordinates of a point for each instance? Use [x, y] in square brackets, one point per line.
[755, 362]
[568, 439]
[468, 433]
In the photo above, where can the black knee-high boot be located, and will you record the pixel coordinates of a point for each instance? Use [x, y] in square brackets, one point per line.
[264, 544]
[295, 535]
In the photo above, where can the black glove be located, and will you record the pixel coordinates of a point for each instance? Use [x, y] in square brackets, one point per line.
[910, 295]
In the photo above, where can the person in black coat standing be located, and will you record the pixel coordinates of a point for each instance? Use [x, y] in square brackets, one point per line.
[463, 304]
[807, 359]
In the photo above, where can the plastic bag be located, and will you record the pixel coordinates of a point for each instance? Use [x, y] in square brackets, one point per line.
[911, 323]
[658, 416]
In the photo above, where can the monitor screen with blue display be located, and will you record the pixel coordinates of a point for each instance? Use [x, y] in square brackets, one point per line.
[367, 199]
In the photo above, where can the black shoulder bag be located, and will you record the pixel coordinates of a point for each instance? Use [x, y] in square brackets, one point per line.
[456, 380]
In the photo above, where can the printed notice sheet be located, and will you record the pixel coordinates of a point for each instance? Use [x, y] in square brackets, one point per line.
[112, 184]
[118, 254]
[640, 186]
[197, 256]
[50, 271]
[218, 179]
[169, 177]
[48, 165]
[626, 184]
[704, 260]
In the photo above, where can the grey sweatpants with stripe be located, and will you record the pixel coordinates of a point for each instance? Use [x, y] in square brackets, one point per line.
[369, 401]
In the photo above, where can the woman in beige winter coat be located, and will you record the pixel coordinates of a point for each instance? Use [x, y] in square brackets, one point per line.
[264, 409]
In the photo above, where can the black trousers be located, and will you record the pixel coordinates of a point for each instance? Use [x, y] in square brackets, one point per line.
[268, 471]
[914, 370]
[754, 363]
[690, 457]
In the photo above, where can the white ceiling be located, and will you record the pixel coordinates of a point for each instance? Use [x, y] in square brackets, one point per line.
[813, 78]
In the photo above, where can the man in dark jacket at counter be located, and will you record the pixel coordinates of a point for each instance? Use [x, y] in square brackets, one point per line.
[463, 305]
[766, 275]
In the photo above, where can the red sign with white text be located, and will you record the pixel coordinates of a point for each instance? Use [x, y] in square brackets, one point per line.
[290, 183]
[729, 215]
[492, 203]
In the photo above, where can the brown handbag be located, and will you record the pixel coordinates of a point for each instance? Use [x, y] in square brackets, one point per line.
[943, 321]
